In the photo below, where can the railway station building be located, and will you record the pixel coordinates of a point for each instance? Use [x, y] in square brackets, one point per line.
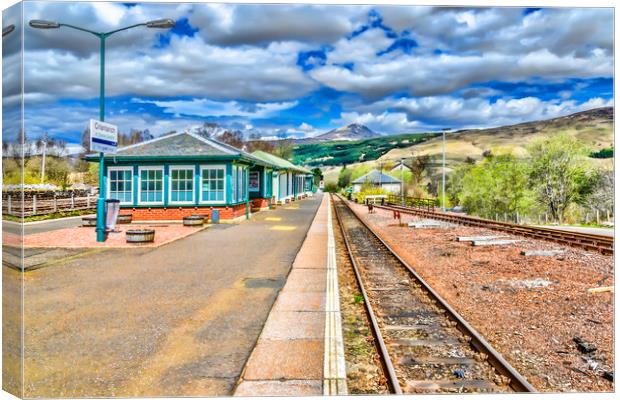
[182, 174]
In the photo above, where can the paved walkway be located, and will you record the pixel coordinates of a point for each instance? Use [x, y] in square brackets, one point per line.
[179, 320]
[299, 351]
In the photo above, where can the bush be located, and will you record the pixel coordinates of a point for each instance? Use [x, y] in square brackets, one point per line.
[330, 188]
[603, 153]
[368, 189]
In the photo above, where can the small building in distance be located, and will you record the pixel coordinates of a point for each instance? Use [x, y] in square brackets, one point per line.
[378, 179]
[400, 166]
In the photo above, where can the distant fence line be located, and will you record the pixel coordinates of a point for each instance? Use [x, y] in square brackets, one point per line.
[601, 217]
[41, 204]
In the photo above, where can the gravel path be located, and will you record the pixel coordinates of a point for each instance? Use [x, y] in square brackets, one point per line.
[529, 308]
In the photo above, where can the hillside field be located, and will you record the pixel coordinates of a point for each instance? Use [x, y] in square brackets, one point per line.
[594, 128]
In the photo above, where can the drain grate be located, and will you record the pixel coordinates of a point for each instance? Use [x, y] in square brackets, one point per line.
[256, 283]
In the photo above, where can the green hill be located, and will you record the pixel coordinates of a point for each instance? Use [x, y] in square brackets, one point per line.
[348, 152]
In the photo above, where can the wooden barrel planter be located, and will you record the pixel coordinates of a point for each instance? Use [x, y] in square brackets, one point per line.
[89, 221]
[124, 219]
[194, 220]
[138, 236]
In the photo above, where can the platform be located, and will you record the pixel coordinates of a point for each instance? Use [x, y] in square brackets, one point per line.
[176, 320]
[300, 350]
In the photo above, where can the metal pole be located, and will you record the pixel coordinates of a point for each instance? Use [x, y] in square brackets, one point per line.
[443, 175]
[402, 182]
[43, 158]
[101, 200]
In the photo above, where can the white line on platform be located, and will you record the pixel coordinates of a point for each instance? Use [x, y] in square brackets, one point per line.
[334, 372]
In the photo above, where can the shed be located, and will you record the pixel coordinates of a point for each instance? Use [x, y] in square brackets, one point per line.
[378, 179]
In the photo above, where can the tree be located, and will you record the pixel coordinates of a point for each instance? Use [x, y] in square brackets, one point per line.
[497, 185]
[256, 143]
[57, 171]
[559, 173]
[317, 176]
[454, 184]
[233, 138]
[344, 177]
[283, 148]
[602, 196]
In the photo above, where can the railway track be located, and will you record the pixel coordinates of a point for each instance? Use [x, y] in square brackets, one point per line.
[600, 243]
[425, 346]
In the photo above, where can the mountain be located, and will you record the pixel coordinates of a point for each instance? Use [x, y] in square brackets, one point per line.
[349, 132]
[594, 128]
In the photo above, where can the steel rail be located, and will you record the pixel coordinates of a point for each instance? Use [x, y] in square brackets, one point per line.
[386, 361]
[600, 243]
[517, 381]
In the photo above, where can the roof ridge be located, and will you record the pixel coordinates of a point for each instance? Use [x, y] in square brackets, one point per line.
[131, 146]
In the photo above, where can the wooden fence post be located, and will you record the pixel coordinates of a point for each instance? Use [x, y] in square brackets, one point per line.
[34, 204]
[72, 202]
[10, 207]
[55, 203]
[598, 217]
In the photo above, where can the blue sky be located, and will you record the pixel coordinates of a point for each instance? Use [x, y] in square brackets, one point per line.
[300, 70]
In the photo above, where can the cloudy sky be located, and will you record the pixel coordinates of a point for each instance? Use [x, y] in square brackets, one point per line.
[300, 70]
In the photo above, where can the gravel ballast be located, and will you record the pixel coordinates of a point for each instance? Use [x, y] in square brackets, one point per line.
[529, 308]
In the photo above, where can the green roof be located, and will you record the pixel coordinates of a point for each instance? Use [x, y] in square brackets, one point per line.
[180, 145]
[281, 163]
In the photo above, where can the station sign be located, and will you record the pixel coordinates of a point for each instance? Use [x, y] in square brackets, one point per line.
[103, 137]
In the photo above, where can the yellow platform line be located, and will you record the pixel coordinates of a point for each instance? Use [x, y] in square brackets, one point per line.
[283, 228]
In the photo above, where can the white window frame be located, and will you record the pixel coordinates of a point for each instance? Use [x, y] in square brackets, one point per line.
[163, 178]
[181, 168]
[108, 186]
[211, 166]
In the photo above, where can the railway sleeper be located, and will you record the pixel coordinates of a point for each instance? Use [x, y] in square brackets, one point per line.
[455, 386]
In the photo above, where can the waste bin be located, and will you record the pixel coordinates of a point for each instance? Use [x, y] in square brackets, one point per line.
[112, 208]
[215, 216]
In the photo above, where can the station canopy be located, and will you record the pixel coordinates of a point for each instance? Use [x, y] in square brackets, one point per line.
[280, 163]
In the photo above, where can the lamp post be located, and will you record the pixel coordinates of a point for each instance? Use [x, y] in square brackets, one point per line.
[159, 24]
[443, 172]
[402, 182]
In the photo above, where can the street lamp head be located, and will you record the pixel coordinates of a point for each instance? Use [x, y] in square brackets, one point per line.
[161, 23]
[42, 24]
[7, 29]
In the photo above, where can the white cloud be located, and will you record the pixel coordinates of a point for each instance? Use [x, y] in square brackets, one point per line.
[209, 108]
[258, 24]
[441, 111]
[188, 67]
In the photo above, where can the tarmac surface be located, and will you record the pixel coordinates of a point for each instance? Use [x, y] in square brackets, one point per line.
[179, 320]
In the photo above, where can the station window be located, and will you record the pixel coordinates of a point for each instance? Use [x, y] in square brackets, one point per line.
[233, 180]
[151, 184]
[213, 184]
[181, 184]
[120, 184]
[243, 183]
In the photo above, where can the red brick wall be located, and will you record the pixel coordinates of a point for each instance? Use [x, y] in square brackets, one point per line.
[177, 213]
[259, 203]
